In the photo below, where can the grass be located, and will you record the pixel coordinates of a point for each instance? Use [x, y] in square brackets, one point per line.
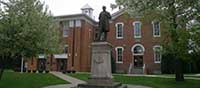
[148, 81]
[28, 80]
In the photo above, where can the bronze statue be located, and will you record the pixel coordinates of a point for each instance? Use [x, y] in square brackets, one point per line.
[104, 18]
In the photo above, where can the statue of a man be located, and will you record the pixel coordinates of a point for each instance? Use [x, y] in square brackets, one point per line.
[104, 18]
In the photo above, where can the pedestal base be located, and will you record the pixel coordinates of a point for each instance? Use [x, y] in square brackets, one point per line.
[101, 76]
[101, 83]
[114, 85]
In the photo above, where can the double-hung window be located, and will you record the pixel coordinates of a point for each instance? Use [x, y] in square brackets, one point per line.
[137, 29]
[119, 30]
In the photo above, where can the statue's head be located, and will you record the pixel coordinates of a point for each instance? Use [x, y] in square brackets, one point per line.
[104, 8]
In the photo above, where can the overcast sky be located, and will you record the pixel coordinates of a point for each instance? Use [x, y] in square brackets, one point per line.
[65, 7]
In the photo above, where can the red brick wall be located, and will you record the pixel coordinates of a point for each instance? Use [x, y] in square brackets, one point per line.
[147, 40]
[84, 36]
[83, 39]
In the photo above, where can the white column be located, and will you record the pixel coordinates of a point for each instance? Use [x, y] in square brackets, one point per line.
[22, 65]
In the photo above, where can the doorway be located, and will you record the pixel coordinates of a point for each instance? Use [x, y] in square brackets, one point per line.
[61, 65]
[138, 60]
[41, 64]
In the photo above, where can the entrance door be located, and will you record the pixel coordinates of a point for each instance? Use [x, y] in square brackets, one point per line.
[61, 65]
[41, 64]
[138, 64]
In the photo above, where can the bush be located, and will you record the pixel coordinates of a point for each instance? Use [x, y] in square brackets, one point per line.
[113, 64]
[68, 71]
[47, 71]
[189, 66]
[167, 64]
[73, 71]
[34, 71]
[40, 71]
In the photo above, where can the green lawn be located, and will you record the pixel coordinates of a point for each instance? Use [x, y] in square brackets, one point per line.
[28, 80]
[148, 81]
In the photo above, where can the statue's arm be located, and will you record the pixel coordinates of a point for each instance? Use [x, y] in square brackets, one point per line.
[109, 16]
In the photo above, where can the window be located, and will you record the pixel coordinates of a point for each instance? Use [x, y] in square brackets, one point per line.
[119, 30]
[66, 28]
[119, 54]
[157, 53]
[137, 29]
[78, 23]
[66, 49]
[156, 29]
[138, 49]
[71, 23]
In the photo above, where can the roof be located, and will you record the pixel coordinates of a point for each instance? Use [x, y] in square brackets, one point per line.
[118, 13]
[74, 17]
[87, 7]
[86, 17]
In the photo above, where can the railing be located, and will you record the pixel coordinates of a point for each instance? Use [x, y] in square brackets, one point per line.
[130, 68]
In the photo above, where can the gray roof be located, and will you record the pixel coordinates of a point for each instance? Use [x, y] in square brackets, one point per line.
[86, 7]
[74, 17]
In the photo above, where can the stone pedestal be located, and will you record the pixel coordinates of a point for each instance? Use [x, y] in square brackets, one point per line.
[101, 60]
[101, 75]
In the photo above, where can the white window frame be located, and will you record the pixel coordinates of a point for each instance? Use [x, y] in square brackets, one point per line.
[154, 50]
[66, 46]
[78, 23]
[116, 49]
[140, 33]
[65, 28]
[133, 47]
[116, 27]
[155, 29]
[71, 23]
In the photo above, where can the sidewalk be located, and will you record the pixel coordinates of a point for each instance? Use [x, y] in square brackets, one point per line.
[160, 76]
[74, 82]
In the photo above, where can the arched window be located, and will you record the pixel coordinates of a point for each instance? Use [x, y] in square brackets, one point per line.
[138, 49]
[157, 53]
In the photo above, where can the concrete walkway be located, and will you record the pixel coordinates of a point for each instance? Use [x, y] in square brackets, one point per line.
[74, 82]
[160, 76]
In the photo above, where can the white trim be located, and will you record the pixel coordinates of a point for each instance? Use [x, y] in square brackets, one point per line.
[65, 28]
[41, 56]
[134, 31]
[132, 49]
[119, 47]
[154, 53]
[71, 23]
[60, 56]
[154, 29]
[78, 23]
[66, 47]
[116, 30]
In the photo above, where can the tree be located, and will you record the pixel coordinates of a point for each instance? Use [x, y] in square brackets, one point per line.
[174, 14]
[27, 29]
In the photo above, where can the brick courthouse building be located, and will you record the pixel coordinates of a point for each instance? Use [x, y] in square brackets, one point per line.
[136, 44]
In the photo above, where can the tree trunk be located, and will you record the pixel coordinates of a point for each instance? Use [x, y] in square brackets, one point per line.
[1, 72]
[1, 66]
[179, 71]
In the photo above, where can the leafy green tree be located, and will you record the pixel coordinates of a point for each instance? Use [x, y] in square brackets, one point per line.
[27, 29]
[174, 15]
